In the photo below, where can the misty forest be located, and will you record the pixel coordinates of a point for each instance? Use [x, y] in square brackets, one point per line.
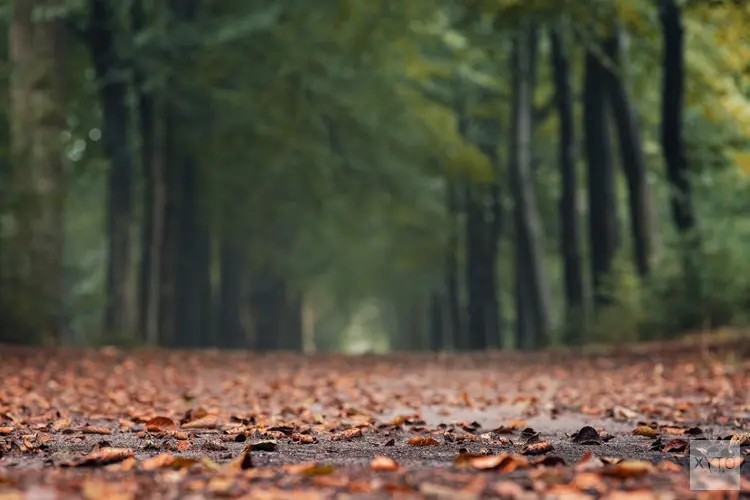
[548, 200]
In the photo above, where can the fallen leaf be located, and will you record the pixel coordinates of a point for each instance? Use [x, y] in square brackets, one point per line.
[741, 438]
[309, 469]
[95, 489]
[61, 424]
[645, 431]
[629, 468]
[157, 462]
[268, 445]
[502, 463]
[103, 456]
[90, 429]
[160, 424]
[207, 422]
[587, 436]
[5, 431]
[382, 463]
[675, 446]
[537, 448]
[347, 435]
[422, 441]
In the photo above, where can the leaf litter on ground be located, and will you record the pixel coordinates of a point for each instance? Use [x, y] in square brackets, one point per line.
[233, 424]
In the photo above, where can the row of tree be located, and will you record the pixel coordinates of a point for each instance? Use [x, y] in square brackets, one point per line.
[264, 169]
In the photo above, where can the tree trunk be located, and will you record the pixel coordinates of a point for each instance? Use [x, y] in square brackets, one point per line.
[293, 339]
[631, 151]
[153, 199]
[451, 272]
[113, 91]
[673, 92]
[529, 231]
[492, 225]
[268, 301]
[437, 325]
[475, 259]
[231, 333]
[569, 214]
[603, 223]
[37, 116]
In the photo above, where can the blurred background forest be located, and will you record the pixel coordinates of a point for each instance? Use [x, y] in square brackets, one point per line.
[369, 175]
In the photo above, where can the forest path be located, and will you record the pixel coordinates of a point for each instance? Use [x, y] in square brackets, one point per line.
[111, 423]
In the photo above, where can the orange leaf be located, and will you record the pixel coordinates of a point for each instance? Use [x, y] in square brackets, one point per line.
[629, 468]
[160, 424]
[422, 441]
[382, 463]
[208, 422]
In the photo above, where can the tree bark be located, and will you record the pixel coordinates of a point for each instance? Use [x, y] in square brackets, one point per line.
[37, 116]
[437, 323]
[113, 91]
[153, 198]
[570, 241]
[631, 151]
[475, 260]
[451, 272]
[231, 333]
[532, 277]
[603, 223]
[268, 301]
[673, 95]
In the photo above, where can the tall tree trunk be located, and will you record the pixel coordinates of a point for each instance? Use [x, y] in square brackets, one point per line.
[451, 272]
[569, 214]
[529, 231]
[492, 225]
[292, 332]
[437, 324]
[153, 198]
[231, 333]
[268, 301]
[631, 151]
[603, 222]
[113, 91]
[673, 94]
[475, 259]
[37, 116]
[170, 238]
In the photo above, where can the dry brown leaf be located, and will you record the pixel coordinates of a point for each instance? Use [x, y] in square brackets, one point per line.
[537, 448]
[645, 431]
[347, 435]
[5, 431]
[157, 462]
[508, 490]
[61, 424]
[207, 422]
[91, 429]
[422, 441]
[160, 424]
[103, 456]
[96, 489]
[504, 463]
[629, 468]
[302, 438]
[675, 446]
[309, 469]
[383, 463]
[741, 438]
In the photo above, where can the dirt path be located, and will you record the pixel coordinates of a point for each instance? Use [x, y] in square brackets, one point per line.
[171, 424]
